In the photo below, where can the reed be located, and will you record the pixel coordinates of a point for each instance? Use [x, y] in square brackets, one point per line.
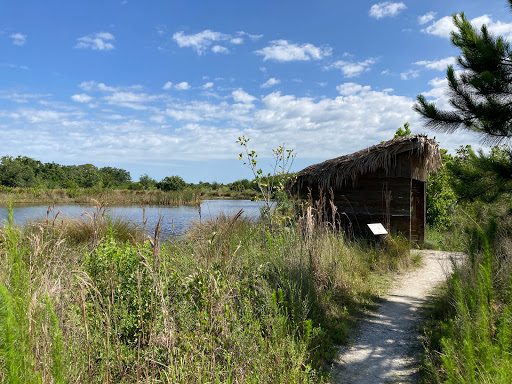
[231, 301]
[105, 196]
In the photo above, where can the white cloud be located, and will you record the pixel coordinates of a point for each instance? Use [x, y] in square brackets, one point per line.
[18, 39]
[130, 100]
[444, 26]
[498, 28]
[357, 118]
[240, 96]
[81, 98]
[439, 65]
[157, 119]
[176, 128]
[167, 85]
[219, 49]
[352, 69]
[386, 9]
[249, 35]
[283, 51]
[439, 86]
[44, 116]
[410, 74]
[270, 83]
[348, 89]
[222, 114]
[22, 97]
[199, 41]
[94, 86]
[183, 86]
[115, 117]
[207, 85]
[202, 41]
[236, 40]
[426, 18]
[101, 41]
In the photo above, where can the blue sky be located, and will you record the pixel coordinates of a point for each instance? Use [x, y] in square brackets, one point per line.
[167, 87]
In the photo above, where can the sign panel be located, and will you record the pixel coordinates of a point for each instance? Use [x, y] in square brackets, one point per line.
[377, 229]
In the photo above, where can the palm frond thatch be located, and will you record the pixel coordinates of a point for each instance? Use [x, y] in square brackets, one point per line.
[336, 173]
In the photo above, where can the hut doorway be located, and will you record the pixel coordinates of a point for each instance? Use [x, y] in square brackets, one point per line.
[418, 219]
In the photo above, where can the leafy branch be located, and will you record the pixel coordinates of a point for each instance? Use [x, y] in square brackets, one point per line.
[271, 184]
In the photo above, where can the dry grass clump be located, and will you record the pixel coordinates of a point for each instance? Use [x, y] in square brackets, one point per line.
[89, 228]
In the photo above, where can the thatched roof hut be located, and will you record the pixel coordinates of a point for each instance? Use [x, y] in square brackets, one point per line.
[341, 171]
[397, 167]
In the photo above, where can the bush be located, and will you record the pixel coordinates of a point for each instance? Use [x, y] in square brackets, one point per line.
[136, 186]
[120, 275]
[172, 183]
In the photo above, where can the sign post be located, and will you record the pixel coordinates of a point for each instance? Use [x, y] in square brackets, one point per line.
[378, 231]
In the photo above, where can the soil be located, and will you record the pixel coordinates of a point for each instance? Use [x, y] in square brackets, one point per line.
[387, 346]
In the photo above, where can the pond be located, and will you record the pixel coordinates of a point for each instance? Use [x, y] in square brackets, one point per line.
[175, 220]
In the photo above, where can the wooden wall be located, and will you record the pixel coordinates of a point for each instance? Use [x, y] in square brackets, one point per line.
[375, 200]
[394, 198]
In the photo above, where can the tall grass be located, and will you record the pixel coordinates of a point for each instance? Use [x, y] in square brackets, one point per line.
[28, 324]
[105, 196]
[469, 337]
[232, 301]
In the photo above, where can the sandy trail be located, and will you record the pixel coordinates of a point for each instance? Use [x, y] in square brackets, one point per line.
[387, 345]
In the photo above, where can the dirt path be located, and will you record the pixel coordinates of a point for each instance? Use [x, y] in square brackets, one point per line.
[387, 345]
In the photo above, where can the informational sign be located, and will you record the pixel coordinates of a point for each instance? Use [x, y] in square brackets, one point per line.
[377, 229]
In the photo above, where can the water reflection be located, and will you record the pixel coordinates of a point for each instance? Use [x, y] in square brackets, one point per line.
[175, 220]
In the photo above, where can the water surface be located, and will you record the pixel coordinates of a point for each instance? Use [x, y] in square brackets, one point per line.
[175, 220]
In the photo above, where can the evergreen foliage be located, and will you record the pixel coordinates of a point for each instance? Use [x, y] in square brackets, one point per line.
[403, 132]
[481, 176]
[480, 96]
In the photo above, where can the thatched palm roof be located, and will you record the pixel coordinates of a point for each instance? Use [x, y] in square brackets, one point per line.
[342, 170]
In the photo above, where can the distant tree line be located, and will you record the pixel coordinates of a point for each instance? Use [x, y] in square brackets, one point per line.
[25, 172]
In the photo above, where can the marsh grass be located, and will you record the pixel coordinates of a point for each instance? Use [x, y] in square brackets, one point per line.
[468, 338]
[104, 196]
[232, 301]
[89, 228]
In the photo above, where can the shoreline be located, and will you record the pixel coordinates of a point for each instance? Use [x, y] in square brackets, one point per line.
[120, 197]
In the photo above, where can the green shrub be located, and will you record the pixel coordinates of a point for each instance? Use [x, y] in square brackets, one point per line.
[171, 183]
[123, 280]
